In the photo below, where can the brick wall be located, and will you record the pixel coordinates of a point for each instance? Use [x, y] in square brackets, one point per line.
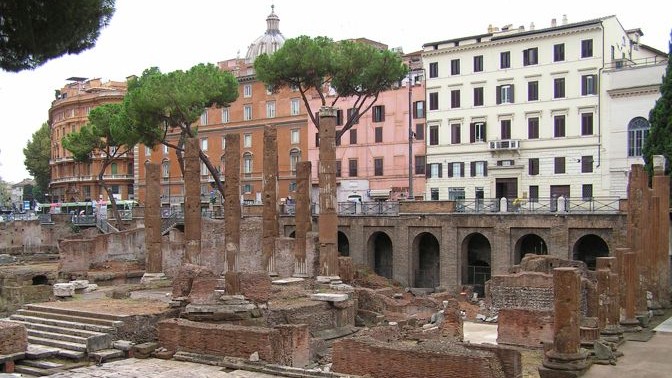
[524, 327]
[426, 207]
[287, 345]
[13, 338]
[530, 290]
[440, 359]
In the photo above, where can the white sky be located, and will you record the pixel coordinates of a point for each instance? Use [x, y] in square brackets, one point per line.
[175, 35]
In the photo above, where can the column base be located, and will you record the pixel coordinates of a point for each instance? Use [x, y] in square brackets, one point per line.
[576, 362]
[630, 325]
[151, 277]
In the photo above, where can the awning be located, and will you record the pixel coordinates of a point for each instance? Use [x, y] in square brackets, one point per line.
[379, 193]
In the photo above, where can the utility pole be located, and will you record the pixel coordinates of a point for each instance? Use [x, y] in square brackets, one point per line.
[410, 135]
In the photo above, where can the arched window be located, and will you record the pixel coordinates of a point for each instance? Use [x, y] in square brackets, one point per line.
[294, 158]
[165, 169]
[638, 130]
[247, 164]
[113, 168]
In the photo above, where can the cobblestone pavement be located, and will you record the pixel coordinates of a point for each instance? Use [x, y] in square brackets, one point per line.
[156, 368]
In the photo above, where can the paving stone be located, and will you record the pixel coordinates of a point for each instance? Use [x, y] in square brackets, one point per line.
[288, 280]
[329, 297]
[35, 351]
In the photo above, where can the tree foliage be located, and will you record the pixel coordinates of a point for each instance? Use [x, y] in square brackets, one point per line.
[108, 133]
[34, 31]
[37, 153]
[159, 103]
[353, 69]
[659, 140]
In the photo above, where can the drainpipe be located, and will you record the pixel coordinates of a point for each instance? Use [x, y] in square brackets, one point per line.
[599, 103]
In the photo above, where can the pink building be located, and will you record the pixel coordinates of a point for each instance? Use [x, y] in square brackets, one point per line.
[373, 156]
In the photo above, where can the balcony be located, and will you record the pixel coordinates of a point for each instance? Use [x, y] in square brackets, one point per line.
[504, 145]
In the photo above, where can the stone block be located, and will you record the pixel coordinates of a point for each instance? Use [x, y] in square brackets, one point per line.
[13, 338]
[90, 288]
[329, 297]
[64, 290]
[80, 284]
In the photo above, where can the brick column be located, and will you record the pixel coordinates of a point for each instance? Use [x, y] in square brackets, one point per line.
[630, 322]
[192, 201]
[153, 218]
[328, 218]
[638, 194]
[270, 211]
[661, 189]
[566, 354]
[232, 202]
[609, 311]
[302, 217]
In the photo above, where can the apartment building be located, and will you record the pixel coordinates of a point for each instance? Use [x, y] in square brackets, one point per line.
[538, 113]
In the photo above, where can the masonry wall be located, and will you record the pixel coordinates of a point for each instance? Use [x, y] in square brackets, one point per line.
[524, 327]
[26, 238]
[438, 359]
[13, 338]
[287, 345]
[79, 255]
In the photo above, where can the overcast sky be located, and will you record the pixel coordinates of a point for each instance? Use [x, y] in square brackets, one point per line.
[179, 34]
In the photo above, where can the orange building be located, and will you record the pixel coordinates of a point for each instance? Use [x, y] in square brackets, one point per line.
[74, 181]
[255, 108]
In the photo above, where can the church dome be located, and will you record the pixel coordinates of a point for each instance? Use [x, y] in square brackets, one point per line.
[270, 41]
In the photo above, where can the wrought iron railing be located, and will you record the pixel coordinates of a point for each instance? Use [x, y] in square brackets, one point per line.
[608, 205]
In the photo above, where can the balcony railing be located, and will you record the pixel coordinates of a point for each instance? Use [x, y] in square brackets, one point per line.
[609, 205]
[506, 144]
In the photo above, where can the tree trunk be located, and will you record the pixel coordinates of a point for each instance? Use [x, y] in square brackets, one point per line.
[110, 195]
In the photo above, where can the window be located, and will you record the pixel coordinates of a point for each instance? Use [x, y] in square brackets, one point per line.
[148, 151]
[534, 193]
[204, 144]
[587, 192]
[505, 59]
[338, 138]
[419, 109]
[204, 169]
[505, 94]
[559, 126]
[455, 67]
[477, 132]
[247, 112]
[532, 91]
[294, 107]
[113, 168]
[247, 90]
[505, 129]
[204, 117]
[455, 98]
[295, 136]
[533, 166]
[270, 109]
[478, 63]
[588, 85]
[559, 52]
[223, 142]
[638, 130]
[435, 170]
[419, 131]
[115, 189]
[434, 101]
[533, 128]
[586, 48]
[433, 69]
[247, 163]
[420, 162]
[247, 188]
[353, 136]
[338, 168]
[378, 166]
[455, 133]
[339, 117]
[478, 169]
[455, 169]
[559, 87]
[478, 96]
[294, 158]
[586, 123]
[433, 135]
[378, 113]
[352, 167]
[559, 165]
[225, 115]
[247, 140]
[87, 190]
[530, 56]
[269, 90]
[165, 169]
[292, 186]
[456, 194]
[434, 194]
[378, 134]
[505, 163]
[586, 164]
[353, 114]
[317, 139]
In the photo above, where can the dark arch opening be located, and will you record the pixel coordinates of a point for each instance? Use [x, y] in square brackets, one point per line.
[588, 248]
[530, 243]
[292, 234]
[476, 262]
[40, 280]
[343, 244]
[380, 250]
[427, 251]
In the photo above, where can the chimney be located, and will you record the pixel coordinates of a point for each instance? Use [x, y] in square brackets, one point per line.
[531, 25]
[554, 23]
[490, 29]
[564, 19]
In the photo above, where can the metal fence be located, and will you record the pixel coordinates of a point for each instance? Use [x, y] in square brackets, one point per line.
[608, 205]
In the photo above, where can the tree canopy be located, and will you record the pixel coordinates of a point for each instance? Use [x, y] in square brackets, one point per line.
[37, 153]
[659, 140]
[34, 31]
[158, 103]
[353, 69]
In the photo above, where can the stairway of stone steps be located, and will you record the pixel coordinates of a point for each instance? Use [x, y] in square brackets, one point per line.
[64, 334]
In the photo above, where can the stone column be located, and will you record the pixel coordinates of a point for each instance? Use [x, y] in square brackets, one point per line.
[609, 311]
[630, 322]
[328, 218]
[302, 217]
[192, 201]
[232, 202]
[270, 228]
[153, 218]
[661, 189]
[619, 253]
[566, 354]
[637, 206]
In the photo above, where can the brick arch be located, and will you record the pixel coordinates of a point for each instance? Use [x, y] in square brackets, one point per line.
[426, 258]
[607, 235]
[380, 253]
[343, 244]
[529, 243]
[588, 248]
[476, 260]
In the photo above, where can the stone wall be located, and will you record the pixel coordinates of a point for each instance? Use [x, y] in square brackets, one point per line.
[317, 315]
[524, 327]
[13, 338]
[286, 345]
[26, 238]
[432, 358]
[530, 290]
[79, 255]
